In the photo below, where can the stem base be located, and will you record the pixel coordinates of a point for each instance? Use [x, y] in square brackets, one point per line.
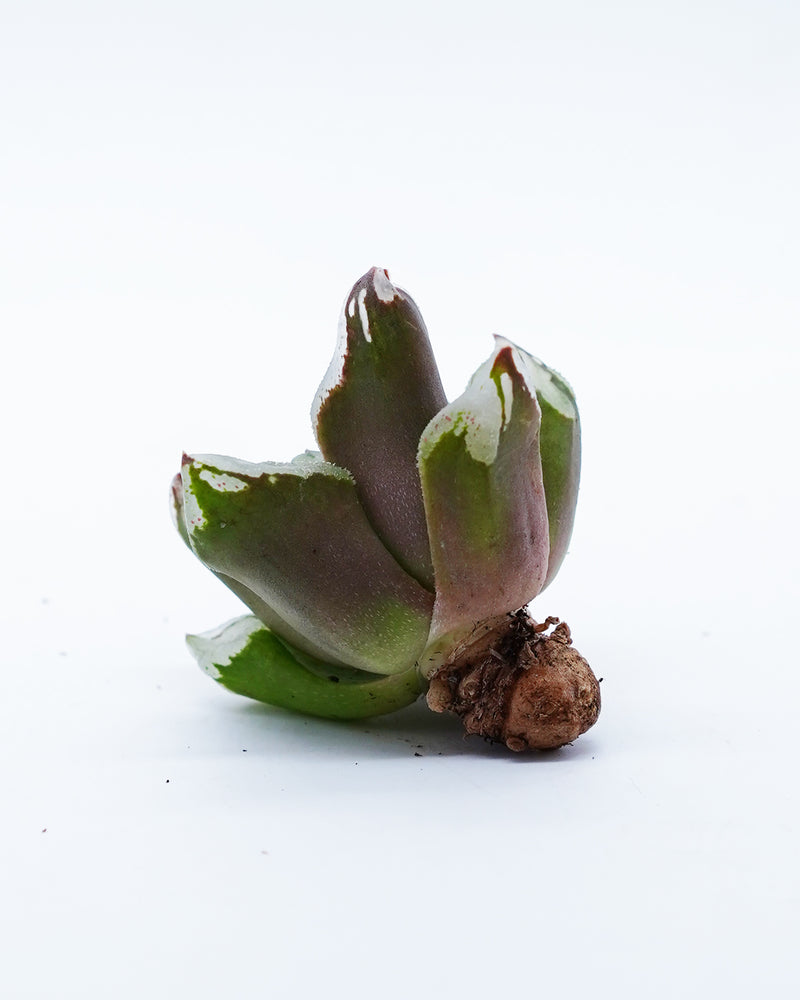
[511, 683]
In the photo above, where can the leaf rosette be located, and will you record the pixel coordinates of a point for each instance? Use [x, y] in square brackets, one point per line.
[366, 564]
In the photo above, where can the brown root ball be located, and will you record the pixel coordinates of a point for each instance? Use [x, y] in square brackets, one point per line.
[513, 684]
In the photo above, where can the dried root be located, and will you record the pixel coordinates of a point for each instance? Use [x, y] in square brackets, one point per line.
[512, 683]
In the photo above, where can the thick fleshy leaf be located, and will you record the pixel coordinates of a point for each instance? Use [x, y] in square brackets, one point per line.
[484, 498]
[560, 447]
[263, 611]
[380, 392]
[249, 659]
[296, 537]
[176, 508]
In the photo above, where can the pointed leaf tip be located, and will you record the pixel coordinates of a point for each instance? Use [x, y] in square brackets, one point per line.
[380, 391]
[382, 284]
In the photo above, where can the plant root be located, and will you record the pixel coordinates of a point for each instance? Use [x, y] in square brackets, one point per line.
[512, 683]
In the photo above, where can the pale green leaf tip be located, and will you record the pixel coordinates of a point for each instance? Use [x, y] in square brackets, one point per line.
[484, 409]
[218, 647]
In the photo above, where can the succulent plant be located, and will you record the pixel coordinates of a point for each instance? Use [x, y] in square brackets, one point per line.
[398, 560]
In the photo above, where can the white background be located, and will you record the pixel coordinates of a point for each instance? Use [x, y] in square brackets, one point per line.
[188, 190]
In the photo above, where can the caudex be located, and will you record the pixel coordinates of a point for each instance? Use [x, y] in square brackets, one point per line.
[399, 559]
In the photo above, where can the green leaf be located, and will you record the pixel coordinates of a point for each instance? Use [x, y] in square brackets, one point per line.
[380, 391]
[263, 611]
[560, 447]
[249, 659]
[296, 538]
[484, 497]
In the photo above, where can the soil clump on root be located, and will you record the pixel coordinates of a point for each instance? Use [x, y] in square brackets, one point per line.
[512, 683]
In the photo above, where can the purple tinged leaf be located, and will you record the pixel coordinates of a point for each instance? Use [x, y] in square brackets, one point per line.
[484, 497]
[295, 538]
[381, 390]
[262, 610]
[176, 508]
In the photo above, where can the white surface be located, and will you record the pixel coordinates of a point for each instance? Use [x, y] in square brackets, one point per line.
[188, 191]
